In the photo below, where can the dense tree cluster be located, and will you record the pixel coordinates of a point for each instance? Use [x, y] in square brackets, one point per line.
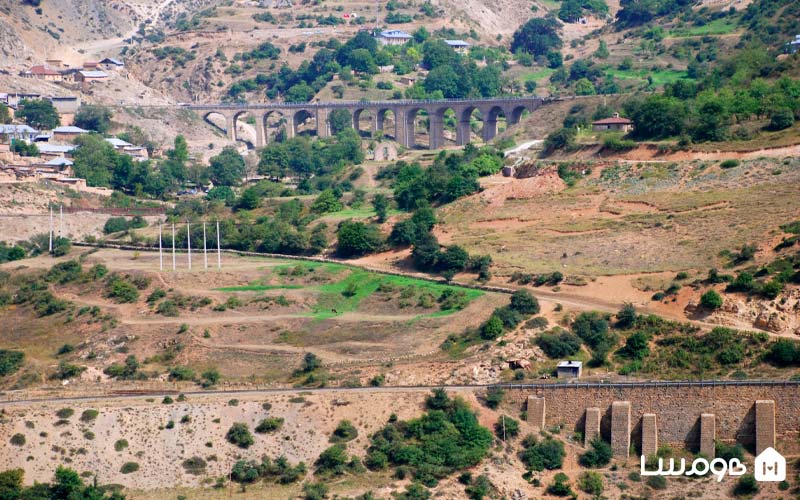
[67, 484]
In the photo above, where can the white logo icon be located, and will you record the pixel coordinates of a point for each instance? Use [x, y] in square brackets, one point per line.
[770, 466]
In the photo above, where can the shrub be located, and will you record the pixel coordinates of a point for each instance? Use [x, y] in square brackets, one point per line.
[657, 482]
[626, 317]
[10, 361]
[315, 491]
[167, 308]
[506, 427]
[492, 329]
[524, 303]
[598, 456]
[591, 482]
[781, 118]
[540, 455]
[18, 439]
[121, 290]
[120, 445]
[494, 396]
[333, 460]
[560, 486]
[65, 413]
[559, 345]
[271, 424]
[616, 143]
[729, 163]
[181, 373]
[711, 300]
[344, 432]
[194, 466]
[129, 467]
[89, 415]
[239, 434]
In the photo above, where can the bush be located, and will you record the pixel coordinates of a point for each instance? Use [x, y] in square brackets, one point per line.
[524, 303]
[10, 361]
[344, 432]
[89, 415]
[129, 467]
[559, 345]
[333, 460]
[591, 482]
[540, 455]
[18, 439]
[616, 143]
[626, 317]
[239, 434]
[711, 300]
[271, 424]
[598, 456]
[747, 485]
[65, 413]
[120, 445]
[181, 373]
[781, 118]
[194, 466]
[729, 164]
[121, 290]
[560, 486]
[657, 482]
[506, 427]
[494, 396]
[492, 329]
[356, 238]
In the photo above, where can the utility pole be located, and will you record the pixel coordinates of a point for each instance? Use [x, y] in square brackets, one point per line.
[61, 221]
[189, 244]
[51, 229]
[160, 252]
[219, 253]
[173, 246]
[205, 250]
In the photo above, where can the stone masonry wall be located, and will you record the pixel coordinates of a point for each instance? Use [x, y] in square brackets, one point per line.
[677, 409]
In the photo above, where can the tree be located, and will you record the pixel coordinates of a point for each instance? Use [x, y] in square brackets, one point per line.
[274, 161]
[356, 238]
[598, 456]
[426, 251]
[437, 53]
[311, 362]
[524, 303]
[711, 300]
[540, 455]
[626, 317]
[38, 113]
[781, 118]
[452, 81]
[381, 205]
[96, 118]
[584, 86]
[492, 329]
[227, 168]
[538, 36]
[249, 200]
[362, 62]
[340, 119]
[5, 114]
[327, 201]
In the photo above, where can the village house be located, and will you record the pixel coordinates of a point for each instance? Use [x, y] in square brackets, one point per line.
[615, 123]
[90, 76]
[67, 133]
[111, 64]
[20, 132]
[13, 99]
[90, 65]
[55, 63]
[50, 151]
[569, 369]
[138, 153]
[43, 72]
[793, 47]
[393, 37]
[65, 104]
[459, 46]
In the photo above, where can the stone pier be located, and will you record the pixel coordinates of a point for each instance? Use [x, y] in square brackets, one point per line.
[621, 428]
[591, 428]
[536, 412]
[765, 425]
[708, 433]
[649, 434]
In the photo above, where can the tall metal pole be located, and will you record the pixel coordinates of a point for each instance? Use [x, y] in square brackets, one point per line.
[205, 250]
[160, 252]
[173, 246]
[219, 253]
[51, 229]
[61, 222]
[189, 244]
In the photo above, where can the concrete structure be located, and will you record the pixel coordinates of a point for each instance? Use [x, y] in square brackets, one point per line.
[621, 428]
[66, 104]
[649, 434]
[615, 123]
[591, 428]
[707, 435]
[569, 369]
[404, 115]
[536, 412]
[393, 37]
[765, 425]
[47, 150]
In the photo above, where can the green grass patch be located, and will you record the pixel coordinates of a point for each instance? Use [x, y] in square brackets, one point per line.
[721, 26]
[538, 75]
[257, 288]
[364, 212]
[660, 77]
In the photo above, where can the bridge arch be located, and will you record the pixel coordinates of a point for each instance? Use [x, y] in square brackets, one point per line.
[365, 121]
[274, 125]
[219, 121]
[246, 130]
[491, 117]
[414, 117]
[387, 122]
[299, 123]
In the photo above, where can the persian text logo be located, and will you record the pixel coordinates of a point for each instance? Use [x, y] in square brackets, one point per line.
[769, 466]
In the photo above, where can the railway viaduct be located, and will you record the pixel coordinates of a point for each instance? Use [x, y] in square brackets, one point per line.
[404, 115]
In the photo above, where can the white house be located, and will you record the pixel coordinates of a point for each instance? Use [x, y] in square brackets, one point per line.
[393, 37]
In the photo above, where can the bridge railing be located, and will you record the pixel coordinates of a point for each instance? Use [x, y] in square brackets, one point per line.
[347, 104]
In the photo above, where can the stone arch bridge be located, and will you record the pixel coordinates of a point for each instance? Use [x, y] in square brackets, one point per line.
[404, 115]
